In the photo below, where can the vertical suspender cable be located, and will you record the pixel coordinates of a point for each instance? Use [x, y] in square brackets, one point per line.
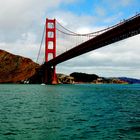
[42, 39]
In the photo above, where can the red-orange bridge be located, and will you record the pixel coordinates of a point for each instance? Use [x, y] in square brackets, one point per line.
[123, 30]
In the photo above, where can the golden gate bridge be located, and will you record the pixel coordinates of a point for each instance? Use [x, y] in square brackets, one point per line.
[72, 44]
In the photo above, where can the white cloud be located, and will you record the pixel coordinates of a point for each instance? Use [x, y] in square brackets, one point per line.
[18, 16]
[126, 2]
[73, 21]
[100, 11]
[119, 3]
[26, 50]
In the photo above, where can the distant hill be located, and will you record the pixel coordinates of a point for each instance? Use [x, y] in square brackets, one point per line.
[83, 77]
[130, 80]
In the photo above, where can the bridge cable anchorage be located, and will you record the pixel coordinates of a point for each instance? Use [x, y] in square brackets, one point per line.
[42, 39]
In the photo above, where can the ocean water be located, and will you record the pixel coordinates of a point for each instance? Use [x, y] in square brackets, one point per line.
[70, 112]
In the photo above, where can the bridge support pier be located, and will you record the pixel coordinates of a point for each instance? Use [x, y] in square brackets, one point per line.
[54, 76]
[50, 76]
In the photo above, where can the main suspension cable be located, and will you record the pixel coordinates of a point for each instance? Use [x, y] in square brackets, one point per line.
[69, 32]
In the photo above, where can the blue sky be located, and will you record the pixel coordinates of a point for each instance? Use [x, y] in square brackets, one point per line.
[22, 21]
[110, 7]
[104, 8]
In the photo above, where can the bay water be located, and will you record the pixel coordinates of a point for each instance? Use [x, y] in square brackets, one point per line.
[70, 112]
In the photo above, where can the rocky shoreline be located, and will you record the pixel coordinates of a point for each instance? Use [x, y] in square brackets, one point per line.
[66, 79]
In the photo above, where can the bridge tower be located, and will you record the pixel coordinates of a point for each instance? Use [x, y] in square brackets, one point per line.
[50, 50]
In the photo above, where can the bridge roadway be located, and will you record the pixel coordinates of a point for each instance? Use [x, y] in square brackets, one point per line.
[124, 30]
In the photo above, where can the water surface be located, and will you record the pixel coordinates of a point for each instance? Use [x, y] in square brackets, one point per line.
[70, 112]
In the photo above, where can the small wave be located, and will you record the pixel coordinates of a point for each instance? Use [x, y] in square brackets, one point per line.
[93, 126]
[9, 133]
[52, 110]
[134, 121]
[38, 117]
[130, 129]
[136, 129]
[80, 120]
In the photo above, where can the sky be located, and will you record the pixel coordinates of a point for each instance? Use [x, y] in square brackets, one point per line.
[22, 22]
